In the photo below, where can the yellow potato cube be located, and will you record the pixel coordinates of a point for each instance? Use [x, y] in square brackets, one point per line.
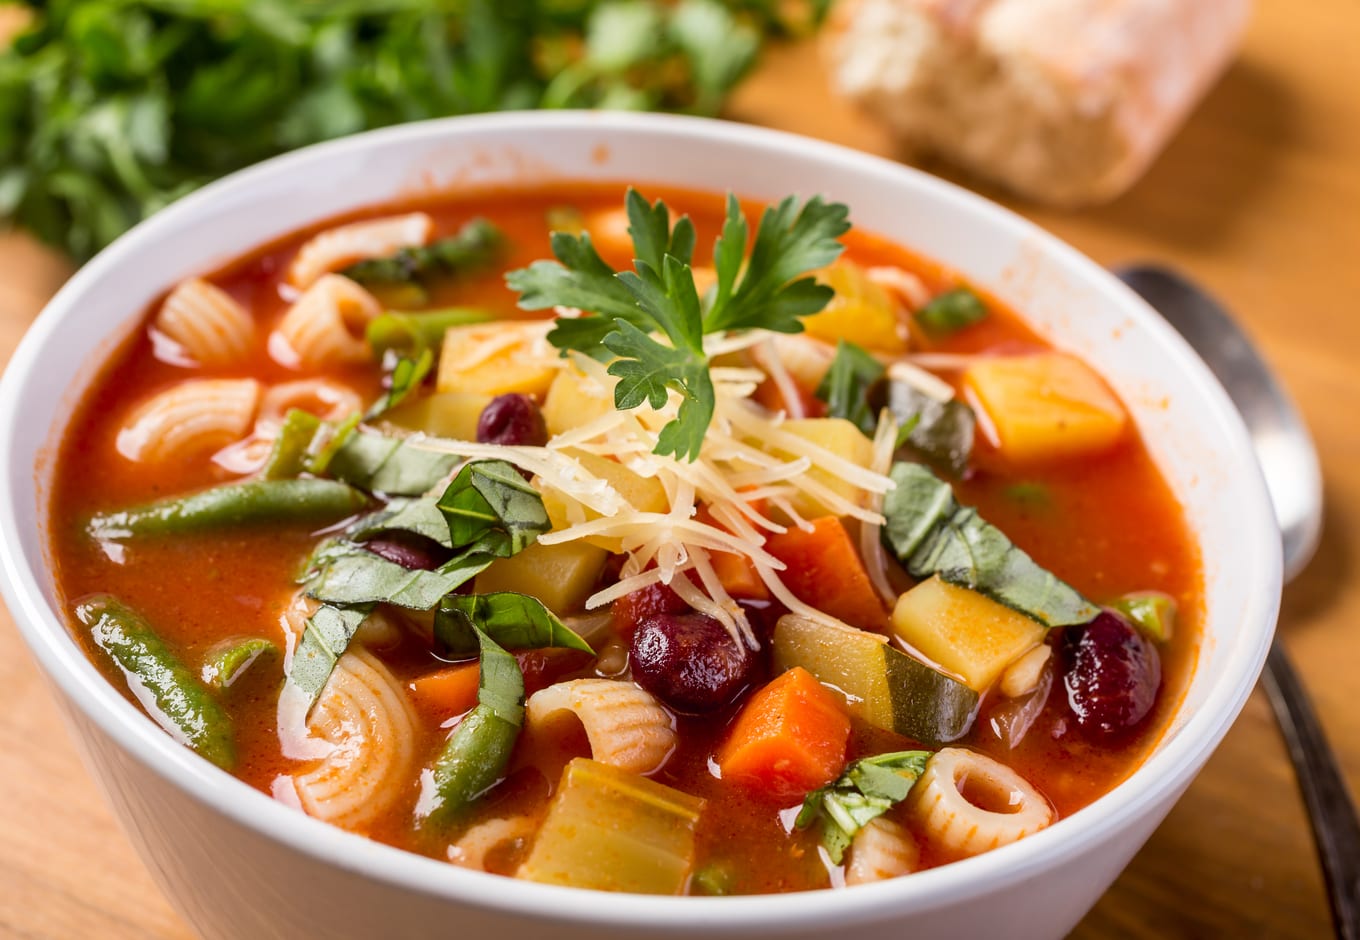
[495, 359]
[561, 576]
[448, 414]
[573, 400]
[645, 494]
[860, 313]
[968, 634]
[1047, 406]
[842, 438]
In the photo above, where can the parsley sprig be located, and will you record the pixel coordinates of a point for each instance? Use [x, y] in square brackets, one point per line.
[649, 323]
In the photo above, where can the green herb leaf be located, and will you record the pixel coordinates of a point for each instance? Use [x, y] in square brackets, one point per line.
[868, 789]
[324, 640]
[845, 387]
[952, 311]
[406, 378]
[477, 245]
[932, 534]
[490, 508]
[515, 621]
[381, 463]
[941, 432]
[624, 312]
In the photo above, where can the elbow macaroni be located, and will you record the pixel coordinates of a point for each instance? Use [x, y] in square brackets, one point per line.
[326, 325]
[188, 419]
[627, 728]
[959, 827]
[207, 322]
[338, 248]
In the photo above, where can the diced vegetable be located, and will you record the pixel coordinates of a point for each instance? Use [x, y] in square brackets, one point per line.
[884, 687]
[229, 662]
[965, 632]
[825, 570]
[952, 311]
[842, 438]
[645, 494]
[413, 333]
[868, 789]
[932, 534]
[234, 505]
[510, 367]
[789, 738]
[1046, 407]
[450, 691]
[861, 312]
[561, 576]
[574, 400]
[739, 577]
[611, 830]
[451, 415]
[1153, 612]
[170, 693]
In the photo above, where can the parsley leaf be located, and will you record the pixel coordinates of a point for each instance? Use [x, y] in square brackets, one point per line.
[627, 315]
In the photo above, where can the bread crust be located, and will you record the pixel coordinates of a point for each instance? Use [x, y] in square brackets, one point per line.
[1064, 101]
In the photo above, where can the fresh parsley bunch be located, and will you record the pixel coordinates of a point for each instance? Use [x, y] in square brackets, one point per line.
[111, 109]
[649, 323]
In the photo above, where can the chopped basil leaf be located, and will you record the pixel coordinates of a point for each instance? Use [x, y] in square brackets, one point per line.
[932, 534]
[868, 789]
[952, 311]
[491, 508]
[515, 621]
[406, 378]
[942, 434]
[393, 466]
[324, 641]
[845, 387]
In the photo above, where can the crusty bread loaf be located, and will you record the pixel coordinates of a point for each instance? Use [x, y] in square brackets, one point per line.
[1064, 101]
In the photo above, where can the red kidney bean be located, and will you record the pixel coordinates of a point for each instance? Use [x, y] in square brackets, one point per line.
[690, 662]
[511, 420]
[408, 550]
[1112, 673]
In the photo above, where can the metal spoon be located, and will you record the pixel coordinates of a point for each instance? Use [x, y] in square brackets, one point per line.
[1290, 465]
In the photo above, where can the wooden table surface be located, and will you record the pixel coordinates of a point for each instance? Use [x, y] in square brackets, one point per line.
[1259, 198]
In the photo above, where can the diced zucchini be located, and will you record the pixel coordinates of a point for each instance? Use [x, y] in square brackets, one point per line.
[645, 494]
[512, 366]
[1047, 406]
[861, 312]
[970, 635]
[574, 400]
[448, 414]
[882, 686]
[842, 438]
[611, 830]
[561, 576]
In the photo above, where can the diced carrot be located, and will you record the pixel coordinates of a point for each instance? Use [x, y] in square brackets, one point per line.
[789, 738]
[739, 576]
[825, 570]
[447, 692]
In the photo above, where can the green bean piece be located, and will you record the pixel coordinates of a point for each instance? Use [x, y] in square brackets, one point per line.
[171, 694]
[413, 333]
[233, 506]
[476, 756]
[228, 663]
[952, 311]
[292, 448]
[714, 879]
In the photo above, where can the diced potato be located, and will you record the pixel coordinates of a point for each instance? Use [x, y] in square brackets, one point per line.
[573, 400]
[645, 494]
[860, 313]
[842, 438]
[1047, 406]
[611, 830]
[561, 576]
[970, 635]
[882, 686]
[495, 359]
[448, 414]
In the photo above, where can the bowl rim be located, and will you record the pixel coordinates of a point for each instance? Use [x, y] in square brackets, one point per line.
[1159, 778]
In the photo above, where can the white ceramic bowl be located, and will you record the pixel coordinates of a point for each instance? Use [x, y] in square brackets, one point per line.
[237, 864]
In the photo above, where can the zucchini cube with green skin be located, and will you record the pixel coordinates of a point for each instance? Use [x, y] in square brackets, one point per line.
[967, 633]
[611, 830]
[882, 685]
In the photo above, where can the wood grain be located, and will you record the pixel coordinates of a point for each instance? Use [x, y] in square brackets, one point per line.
[1259, 198]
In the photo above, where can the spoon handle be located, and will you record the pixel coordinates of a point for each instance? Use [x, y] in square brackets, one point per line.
[1336, 830]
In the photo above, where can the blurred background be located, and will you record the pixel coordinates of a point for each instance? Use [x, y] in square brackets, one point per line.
[1247, 178]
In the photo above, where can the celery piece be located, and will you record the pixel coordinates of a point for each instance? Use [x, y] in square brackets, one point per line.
[1152, 612]
[611, 830]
